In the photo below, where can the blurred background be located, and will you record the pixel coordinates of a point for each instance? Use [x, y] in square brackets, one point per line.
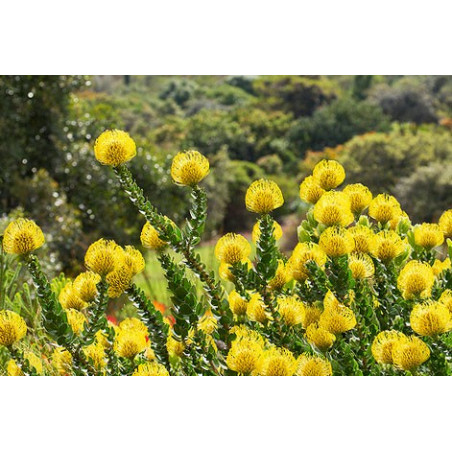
[392, 133]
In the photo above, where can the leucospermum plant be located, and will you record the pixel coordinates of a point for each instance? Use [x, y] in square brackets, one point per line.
[364, 292]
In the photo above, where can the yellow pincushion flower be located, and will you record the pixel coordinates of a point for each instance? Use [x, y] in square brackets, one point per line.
[409, 353]
[102, 256]
[151, 370]
[225, 270]
[174, 347]
[362, 236]
[62, 361]
[129, 342]
[256, 310]
[237, 303]
[207, 323]
[319, 337]
[70, 298]
[96, 353]
[12, 328]
[336, 318]
[277, 231]
[303, 254]
[150, 238]
[263, 196]
[311, 315]
[360, 197]
[114, 147]
[133, 258]
[282, 276]
[387, 245]
[334, 209]
[132, 323]
[428, 235]
[328, 174]
[291, 310]
[245, 352]
[361, 265]
[232, 248]
[445, 223]
[310, 191]
[277, 362]
[119, 280]
[189, 168]
[384, 208]
[439, 267]
[85, 286]
[336, 241]
[446, 299]
[416, 279]
[400, 219]
[34, 362]
[430, 319]
[313, 366]
[22, 236]
[76, 321]
[383, 345]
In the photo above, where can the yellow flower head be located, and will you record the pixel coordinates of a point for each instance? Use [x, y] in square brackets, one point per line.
[362, 236]
[150, 238]
[245, 352]
[328, 174]
[189, 168]
[439, 267]
[225, 270]
[263, 196]
[430, 319]
[96, 353]
[22, 236]
[119, 280]
[336, 241]
[311, 315]
[360, 197]
[151, 370]
[386, 245]
[129, 342]
[70, 298]
[334, 209]
[398, 220]
[446, 299]
[85, 286]
[174, 347]
[313, 366]
[384, 208]
[277, 231]
[256, 310]
[409, 353]
[62, 361]
[76, 321]
[336, 318]
[114, 147]
[232, 248]
[416, 279]
[134, 259]
[291, 310]
[132, 323]
[383, 345]
[34, 362]
[208, 323]
[303, 254]
[282, 276]
[445, 223]
[278, 362]
[12, 328]
[361, 265]
[319, 337]
[237, 304]
[310, 191]
[102, 256]
[428, 235]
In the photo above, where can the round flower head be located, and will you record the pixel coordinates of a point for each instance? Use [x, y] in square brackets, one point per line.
[114, 147]
[277, 231]
[290, 309]
[225, 270]
[360, 197]
[12, 328]
[119, 280]
[428, 235]
[256, 309]
[174, 347]
[132, 323]
[409, 353]
[303, 254]
[207, 323]
[439, 267]
[245, 352]
[189, 168]
[151, 370]
[383, 345]
[62, 361]
[361, 266]
[319, 337]
[76, 321]
[311, 314]
[69, 298]
[384, 208]
[445, 223]
[34, 363]
[397, 221]
[282, 276]
[102, 256]
[334, 209]
[362, 236]
[96, 353]
[278, 362]
[328, 174]
[336, 241]
[430, 319]
[232, 248]
[128, 343]
[313, 366]
[263, 196]
[336, 318]
[22, 236]
[134, 259]
[85, 286]
[237, 303]
[150, 238]
[387, 245]
[310, 191]
[446, 299]
[416, 279]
